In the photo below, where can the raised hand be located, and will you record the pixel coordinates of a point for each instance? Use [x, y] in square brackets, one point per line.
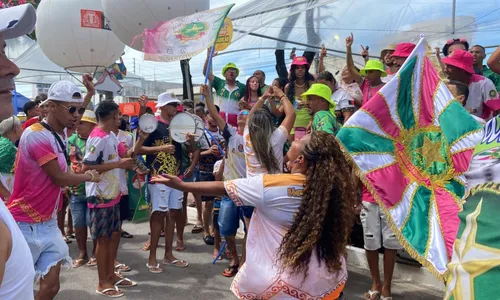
[364, 51]
[87, 80]
[349, 40]
[143, 101]
[322, 52]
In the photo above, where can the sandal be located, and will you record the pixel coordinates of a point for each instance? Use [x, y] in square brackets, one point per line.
[385, 298]
[146, 247]
[130, 283]
[122, 267]
[66, 240]
[92, 262]
[371, 294]
[228, 255]
[126, 235]
[176, 263]
[106, 292]
[70, 236]
[197, 229]
[154, 269]
[230, 271]
[78, 262]
[209, 240]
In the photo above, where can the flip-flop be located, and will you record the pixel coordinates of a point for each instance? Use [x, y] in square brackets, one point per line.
[122, 267]
[209, 240]
[146, 247]
[154, 269]
[233, 270]
[126, 235]
[103, 292]
[92, 262]
[197, 229]
[70, 236]
[66, 240]
[180, 246]
[385, 298]
[369, 295]
[78, 263]
[132, 283]
[178, 263]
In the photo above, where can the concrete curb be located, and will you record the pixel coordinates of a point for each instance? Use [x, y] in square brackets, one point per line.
[356, 258]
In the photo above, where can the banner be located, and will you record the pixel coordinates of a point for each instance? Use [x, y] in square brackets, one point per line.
[411, 144]
[184, 37]
[137, 197]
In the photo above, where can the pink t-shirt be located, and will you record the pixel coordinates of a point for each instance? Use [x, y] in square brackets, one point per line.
[102, 148]
[369, 91]
[35, 198]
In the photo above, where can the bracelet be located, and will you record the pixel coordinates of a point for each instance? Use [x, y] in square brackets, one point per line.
[91, 175]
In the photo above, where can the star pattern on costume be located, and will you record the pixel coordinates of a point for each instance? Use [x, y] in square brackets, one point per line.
[431, 151]
[470, 260]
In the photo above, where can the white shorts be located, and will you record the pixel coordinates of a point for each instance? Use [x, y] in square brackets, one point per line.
[164, 198]
[376, 230]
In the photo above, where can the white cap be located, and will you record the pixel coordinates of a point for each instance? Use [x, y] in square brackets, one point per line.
[17, 21]
[9, 123]
[65, 91]
[166, 98]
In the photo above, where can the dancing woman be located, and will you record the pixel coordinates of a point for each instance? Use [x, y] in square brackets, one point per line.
[299, 233]
[253, 91]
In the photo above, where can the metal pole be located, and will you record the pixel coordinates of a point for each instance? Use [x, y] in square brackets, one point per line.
[453, 16]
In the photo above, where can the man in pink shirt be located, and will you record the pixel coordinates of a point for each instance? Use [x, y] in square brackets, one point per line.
[483, 98]
[41, 172]
[106, 154]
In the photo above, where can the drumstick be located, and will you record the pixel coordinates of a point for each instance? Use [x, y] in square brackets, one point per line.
[186, 133]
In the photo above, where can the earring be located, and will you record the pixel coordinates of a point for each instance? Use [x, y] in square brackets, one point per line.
[295, 161]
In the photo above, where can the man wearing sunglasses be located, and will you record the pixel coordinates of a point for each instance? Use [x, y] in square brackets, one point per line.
[41, 173]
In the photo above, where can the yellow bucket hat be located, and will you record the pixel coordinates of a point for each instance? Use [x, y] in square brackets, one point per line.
[373, 65]
[89, 116]
[323, 91]
[230, 66]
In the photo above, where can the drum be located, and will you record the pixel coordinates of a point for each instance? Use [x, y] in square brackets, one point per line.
[180, 125]
[200, 128]
[148, 123]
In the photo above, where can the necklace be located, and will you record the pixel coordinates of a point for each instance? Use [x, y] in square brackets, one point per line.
[299, 86]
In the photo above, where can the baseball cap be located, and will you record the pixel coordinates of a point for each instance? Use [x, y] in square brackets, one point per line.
[166, 98]
[65, 91]
[17, 20]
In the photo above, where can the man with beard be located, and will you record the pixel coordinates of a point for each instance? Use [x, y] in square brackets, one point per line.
[388, 60]
[230, 90]
[483, 97]
[41, 172]
[399, 56]
[479, 55]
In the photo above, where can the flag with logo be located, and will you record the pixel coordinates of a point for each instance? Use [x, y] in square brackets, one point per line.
[184, 37]
[411, 144]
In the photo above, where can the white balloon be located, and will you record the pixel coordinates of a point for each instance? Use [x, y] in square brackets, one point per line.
[130, 18]
[70, 45]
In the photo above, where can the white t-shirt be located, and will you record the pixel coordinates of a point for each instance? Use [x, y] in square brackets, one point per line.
[19, 273]
[126, 139]
[483, 97]
[278, 140]
[234, 166]
[101, 148]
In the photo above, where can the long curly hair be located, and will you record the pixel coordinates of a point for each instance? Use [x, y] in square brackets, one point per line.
[326, 214]
[261, 128]
[248, 94]
[291, 90]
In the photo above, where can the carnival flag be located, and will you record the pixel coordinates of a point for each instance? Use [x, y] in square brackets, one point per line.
[411, 144]
[184, 37]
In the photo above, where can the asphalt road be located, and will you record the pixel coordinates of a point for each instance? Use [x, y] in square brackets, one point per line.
[200, 280]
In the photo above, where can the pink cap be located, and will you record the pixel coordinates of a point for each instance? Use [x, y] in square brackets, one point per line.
[460, 59]
[403, 50]
[300, 61]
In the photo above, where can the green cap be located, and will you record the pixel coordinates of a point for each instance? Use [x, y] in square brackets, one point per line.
[323, 91]
[373, 65]
[230, 66]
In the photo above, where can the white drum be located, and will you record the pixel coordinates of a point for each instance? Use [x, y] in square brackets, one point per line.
[180, 125]
[148, 123]
[200, 128]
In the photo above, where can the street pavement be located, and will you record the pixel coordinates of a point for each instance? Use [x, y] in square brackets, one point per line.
[200, 280]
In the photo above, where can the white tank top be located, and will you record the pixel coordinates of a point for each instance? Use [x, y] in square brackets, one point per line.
[19, 273]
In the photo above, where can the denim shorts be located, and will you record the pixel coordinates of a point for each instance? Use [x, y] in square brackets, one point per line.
[79, 211]
[47, 246]
[164, 198]
[230, 215]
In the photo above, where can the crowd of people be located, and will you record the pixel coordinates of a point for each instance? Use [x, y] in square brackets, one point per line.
[268, 157]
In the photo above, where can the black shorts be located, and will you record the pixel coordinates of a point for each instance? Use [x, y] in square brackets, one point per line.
[207, 177]
[216, 213]
[104, 221]
[124, 208]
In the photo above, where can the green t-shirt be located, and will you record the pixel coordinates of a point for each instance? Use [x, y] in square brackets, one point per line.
[492, 76]
[76, 155]
[220, 87]
[7, 155]
[325, 121]
[264, 89]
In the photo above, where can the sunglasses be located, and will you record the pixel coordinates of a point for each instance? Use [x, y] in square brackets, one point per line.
[461, 40]
[73, 109]
[243, 112]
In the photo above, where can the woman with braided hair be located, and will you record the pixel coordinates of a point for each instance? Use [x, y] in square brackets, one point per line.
[301, 224]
